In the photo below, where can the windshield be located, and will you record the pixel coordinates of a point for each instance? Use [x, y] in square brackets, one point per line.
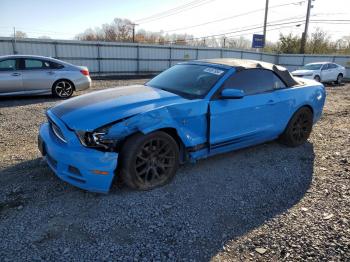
[191, 81]
[312, 67]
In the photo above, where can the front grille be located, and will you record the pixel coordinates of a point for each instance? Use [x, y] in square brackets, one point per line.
[57, 131]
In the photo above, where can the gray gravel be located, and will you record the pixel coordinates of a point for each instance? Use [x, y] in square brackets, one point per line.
[267, 203]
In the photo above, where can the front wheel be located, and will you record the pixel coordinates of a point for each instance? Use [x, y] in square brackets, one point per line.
[317, 78]
[62, 89]
[299, 128]
[149, 161]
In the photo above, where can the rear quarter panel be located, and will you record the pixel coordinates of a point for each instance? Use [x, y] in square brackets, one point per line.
[73, 75]
[310, 93]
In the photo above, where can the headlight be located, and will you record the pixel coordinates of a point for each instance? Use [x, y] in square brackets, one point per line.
[95, 139]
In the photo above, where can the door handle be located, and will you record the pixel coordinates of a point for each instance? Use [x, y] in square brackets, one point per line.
[15, 74]
[51, 73]
[271, 102]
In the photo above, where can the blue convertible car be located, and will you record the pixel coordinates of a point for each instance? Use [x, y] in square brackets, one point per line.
[192, 110]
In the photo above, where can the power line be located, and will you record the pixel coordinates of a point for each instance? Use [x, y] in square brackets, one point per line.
[170, 10]
[235, 36]
[236, 31]
[166, 14]
[293, 24]
[234, 16]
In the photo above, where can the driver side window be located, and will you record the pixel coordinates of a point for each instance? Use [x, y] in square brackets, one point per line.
[254, 81]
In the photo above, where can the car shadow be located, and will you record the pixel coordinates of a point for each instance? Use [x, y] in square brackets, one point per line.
[207, 204]
[13, 101]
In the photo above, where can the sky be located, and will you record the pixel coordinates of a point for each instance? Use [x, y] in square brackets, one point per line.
[64, 19]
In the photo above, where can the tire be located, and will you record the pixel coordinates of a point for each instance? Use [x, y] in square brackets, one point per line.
[317, 78]
[63, 89]
[298, 129]
[339, 79]
[149, 161]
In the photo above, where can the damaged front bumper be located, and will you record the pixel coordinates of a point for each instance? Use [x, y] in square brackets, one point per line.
[82, 167]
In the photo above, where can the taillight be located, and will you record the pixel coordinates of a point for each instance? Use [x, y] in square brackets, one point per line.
[85, 72]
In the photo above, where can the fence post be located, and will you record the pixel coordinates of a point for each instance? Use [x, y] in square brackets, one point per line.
[99, 58]
[197, 51]
[241, 54]
[221, 53]
[138, 59]
[170, 56]
[55, 50]
[14, 46]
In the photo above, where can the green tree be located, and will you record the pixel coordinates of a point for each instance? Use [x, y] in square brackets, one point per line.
[288, 44]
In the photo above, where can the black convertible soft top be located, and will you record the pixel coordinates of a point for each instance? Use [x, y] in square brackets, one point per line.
[281, 71]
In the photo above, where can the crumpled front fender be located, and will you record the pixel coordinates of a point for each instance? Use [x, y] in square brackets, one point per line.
[189, 119]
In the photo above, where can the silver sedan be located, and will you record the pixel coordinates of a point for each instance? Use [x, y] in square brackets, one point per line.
[38, 75]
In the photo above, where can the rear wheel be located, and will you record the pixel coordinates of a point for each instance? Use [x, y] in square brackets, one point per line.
[63, 89]
[149, 161]
[340, 79]
[317, 78]
[299, 128]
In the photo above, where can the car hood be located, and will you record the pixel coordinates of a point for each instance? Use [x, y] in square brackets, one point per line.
[90, 111]
[302, 72]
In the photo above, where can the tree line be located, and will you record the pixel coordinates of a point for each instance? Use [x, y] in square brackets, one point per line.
[122, 30]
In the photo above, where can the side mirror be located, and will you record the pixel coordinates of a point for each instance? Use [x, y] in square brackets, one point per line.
[230, 93]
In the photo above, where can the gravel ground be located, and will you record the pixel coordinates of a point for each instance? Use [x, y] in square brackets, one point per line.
[265, 203]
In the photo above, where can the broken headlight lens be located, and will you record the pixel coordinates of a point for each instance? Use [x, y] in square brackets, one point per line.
[95, 139]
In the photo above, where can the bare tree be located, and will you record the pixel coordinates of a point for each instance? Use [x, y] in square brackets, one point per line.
[20, 34]
[44, 37]
[320, 43]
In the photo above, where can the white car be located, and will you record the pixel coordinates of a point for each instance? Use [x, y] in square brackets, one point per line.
[322, 72]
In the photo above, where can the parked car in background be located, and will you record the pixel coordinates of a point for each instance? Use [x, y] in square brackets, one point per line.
[38, 75]
[322, 72]
[191, 111]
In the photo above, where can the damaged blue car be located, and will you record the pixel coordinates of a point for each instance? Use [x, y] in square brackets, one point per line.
[193, 110]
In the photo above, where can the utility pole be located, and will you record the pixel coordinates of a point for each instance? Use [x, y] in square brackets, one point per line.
[304, 35]
[265, 19]
[133, 32]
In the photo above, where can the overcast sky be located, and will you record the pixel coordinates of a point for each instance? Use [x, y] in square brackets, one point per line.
[63, 19]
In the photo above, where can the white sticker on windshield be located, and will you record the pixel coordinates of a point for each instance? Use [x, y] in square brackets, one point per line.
[213, 71]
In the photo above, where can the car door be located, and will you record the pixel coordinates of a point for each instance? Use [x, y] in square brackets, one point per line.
[10, 77]
[37, 75]
[251, 119]
[333, 70]
[326, 73]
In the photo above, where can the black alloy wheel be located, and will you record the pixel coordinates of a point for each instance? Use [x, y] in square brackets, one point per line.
[149, 161]
[299, 128]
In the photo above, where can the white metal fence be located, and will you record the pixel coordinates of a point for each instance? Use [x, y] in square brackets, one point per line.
[109, 58]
